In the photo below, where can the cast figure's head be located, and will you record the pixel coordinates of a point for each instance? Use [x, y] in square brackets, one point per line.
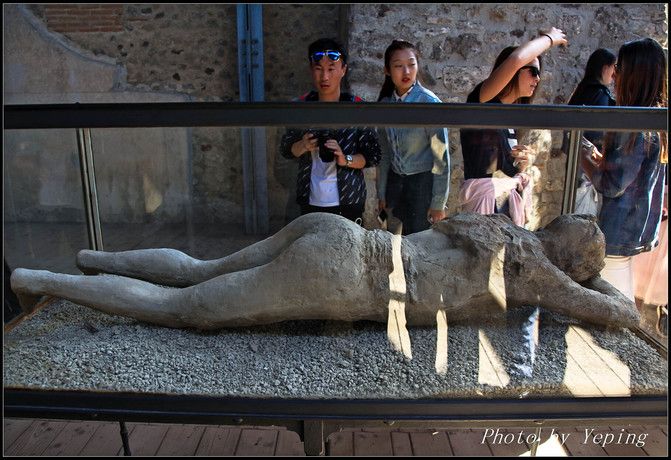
[575, 244]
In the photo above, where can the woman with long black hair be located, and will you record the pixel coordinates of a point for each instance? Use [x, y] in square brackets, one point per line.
[631, 170]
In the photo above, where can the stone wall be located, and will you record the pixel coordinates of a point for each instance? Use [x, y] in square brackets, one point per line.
[459, 43]
[191, 50]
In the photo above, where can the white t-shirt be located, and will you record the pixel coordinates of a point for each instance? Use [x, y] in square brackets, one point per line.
[323, 182]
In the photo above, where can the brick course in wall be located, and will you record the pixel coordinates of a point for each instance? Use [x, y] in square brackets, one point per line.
[90, 17]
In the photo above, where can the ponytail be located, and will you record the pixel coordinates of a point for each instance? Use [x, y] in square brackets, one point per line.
[387, 88]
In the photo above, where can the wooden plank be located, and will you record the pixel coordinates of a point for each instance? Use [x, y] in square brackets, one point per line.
[340, 444]
[372, 443]
[602, 367]
[219, 441]
[615, 443]
[289, 444]
[13, 429]
[610, 359]
[552, 442]
[490, 371]
[505, 442]
[430, 443]
[72, 439]
[106, 441]
[441, 362]
[577, 381]
[468, 442]
[397, 332]
[577, 447]
[401, 445]
[656, 441]
[145, 439]
[256, 442]
[181, 440]
[223, 441]
[36, 438]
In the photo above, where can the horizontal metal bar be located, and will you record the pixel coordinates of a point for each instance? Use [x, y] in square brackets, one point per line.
[115, 406]
[57, 116]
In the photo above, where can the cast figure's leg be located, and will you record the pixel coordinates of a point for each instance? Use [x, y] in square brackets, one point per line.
[108, 293]
[304, 281]
[216, 303]
[170, 267]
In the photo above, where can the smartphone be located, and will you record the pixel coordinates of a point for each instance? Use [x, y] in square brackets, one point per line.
[382, 216]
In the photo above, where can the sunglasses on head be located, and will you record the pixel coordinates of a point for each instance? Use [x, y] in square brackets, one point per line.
[535, 71]
[331, 54]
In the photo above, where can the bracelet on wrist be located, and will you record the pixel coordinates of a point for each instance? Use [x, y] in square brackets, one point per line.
[552, 42]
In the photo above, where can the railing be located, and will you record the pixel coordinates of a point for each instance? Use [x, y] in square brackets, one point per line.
[143, 115]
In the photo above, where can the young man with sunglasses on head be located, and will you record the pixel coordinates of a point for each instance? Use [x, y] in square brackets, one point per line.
[331, 161]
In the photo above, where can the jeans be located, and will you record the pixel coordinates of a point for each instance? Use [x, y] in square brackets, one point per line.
[410, 198]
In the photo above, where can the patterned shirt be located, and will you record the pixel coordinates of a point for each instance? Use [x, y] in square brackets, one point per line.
[352, 140]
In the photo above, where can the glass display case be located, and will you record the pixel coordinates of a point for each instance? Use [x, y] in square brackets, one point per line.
[208, 180]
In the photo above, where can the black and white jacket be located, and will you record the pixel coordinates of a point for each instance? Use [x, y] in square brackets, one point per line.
[352, 140]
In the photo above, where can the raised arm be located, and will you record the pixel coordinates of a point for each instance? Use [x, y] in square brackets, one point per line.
[502, 75]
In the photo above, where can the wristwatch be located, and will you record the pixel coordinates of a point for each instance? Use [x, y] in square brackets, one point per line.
[349, 160]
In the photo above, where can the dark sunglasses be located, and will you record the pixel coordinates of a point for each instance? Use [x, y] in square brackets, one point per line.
[535, 71]
[331, 54]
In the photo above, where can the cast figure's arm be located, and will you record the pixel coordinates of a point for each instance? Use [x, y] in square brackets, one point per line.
[594, 300]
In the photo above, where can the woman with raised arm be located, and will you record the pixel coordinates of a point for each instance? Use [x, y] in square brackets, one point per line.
[493, 160]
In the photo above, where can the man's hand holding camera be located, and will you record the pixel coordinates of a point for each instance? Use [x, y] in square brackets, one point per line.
[329, 149]
[340, 157]
[307, 143]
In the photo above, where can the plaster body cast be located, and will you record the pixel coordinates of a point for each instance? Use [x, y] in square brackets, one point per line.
[323, 266]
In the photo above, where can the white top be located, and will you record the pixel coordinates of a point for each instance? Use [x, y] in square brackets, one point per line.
[323, 182]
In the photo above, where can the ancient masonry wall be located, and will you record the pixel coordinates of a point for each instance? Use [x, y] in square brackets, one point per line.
[191, 49]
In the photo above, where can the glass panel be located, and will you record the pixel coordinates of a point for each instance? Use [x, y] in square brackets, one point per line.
[44, 219]
[185, 189]
[179, 188]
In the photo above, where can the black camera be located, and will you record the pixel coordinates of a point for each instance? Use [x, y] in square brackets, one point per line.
[322, 135]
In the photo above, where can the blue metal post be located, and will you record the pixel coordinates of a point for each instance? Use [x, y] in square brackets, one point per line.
[250, 64]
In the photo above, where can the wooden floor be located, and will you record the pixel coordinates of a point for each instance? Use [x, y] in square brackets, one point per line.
[27, 437]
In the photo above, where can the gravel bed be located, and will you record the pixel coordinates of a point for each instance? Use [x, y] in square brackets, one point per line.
[70, 347]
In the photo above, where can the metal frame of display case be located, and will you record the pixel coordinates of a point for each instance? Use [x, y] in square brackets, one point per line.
[314, 420]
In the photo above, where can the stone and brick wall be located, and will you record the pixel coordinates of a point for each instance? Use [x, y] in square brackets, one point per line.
[74, 18]
[191, 50]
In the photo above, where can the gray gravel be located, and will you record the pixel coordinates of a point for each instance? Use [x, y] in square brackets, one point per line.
[67, 346]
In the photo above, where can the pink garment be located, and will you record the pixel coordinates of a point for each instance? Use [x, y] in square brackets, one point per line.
[651, 269]
[479, 195]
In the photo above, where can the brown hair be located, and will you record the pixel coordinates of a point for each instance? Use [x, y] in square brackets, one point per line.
[641, 81]
[512, 84]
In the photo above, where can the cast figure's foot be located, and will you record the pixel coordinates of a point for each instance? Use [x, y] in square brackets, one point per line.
[20, 284]
[86, 262]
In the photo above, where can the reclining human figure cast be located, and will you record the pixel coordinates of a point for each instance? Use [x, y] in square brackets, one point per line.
[323, 266]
